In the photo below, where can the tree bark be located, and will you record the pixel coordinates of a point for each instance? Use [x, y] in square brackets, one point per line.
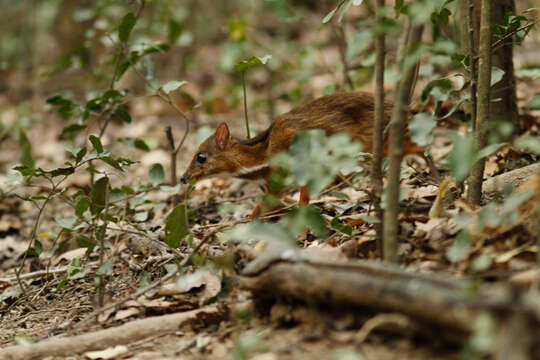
[124, 334]
[483, 107]
[503, 94]
[378, 129]
[397, 129]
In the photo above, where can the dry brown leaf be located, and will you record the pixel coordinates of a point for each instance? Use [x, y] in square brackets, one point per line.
[10, 222]
[109, 353]
[206, 278]
[526, 278]
[70, 255]
[422, 192]
[323, 250]
[436, 229]
[10, 245]
[491, 167]
[125, 313]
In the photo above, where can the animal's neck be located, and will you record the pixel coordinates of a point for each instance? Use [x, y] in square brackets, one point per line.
[253, 160]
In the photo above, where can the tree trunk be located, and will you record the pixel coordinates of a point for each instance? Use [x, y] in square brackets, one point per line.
[503, 94]
[378, 129]
[474, 193]
[397, 130]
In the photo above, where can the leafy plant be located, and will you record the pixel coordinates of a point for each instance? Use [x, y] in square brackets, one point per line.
[314, 160]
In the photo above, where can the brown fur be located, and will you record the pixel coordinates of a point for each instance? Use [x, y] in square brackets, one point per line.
[350, 113]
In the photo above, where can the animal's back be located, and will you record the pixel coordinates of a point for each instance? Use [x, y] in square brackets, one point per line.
[350, 113]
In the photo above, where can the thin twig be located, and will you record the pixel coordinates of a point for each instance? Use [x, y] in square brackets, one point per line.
[165, 97]
[101, 233]
[472, 48]
[245, 103]
[170, 139]
[154, 285]
[342, 49]
[33, 234]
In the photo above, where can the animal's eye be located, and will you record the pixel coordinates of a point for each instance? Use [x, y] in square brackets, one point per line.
[201, 158]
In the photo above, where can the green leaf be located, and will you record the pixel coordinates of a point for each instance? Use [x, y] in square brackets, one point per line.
[170, 189]
[65, 106]
[237, 29]
[203, 133]
[96, 143]
[61, 171]
[25, 147]
[105, 269]
[314, 159]
[441, 85]
[173, 85]
[38, 247]
[112, 162]
[252, 62]
[462, 157]
[175, 30]
[347, 6]
[144, 280]
[66, 223]
[26, 171]
[80, 154]
[488, 150]
[230, 208]
[176, 227]
[481, 263]
[127, 24]
[535, 101]
[121, 111]
[141, 145]
[339, 226]
[71, 130]
[156, 174]
[258, 231]
[421, 128]
[329, 16]
[305, 217]
[141, 216]
[512, 202]
[99, 194]
[23, 339]
[82, 205]
[529, 143]
[496, 75]
[86, 242]
[73, 150]
[461, 248]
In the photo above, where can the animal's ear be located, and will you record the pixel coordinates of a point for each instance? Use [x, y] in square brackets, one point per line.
[222, 136]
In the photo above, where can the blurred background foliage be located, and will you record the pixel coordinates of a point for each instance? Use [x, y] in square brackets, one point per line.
[69, 47]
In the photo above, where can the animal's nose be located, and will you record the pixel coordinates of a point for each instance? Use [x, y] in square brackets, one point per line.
[185, 178]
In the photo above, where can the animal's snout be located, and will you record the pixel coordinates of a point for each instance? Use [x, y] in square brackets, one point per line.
[185, 178]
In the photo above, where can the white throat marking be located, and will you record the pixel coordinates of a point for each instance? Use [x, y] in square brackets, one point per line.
[249, 170]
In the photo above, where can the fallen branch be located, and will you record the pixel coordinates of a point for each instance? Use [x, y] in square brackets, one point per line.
[437, 300]
[514, 177]
[124, 334]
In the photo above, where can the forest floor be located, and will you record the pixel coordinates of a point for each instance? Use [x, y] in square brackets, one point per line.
[235, 322]
[282, 329]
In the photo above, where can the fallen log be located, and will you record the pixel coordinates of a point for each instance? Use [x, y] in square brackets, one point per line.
[439, 300]
[515, 177]
[124, 334]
